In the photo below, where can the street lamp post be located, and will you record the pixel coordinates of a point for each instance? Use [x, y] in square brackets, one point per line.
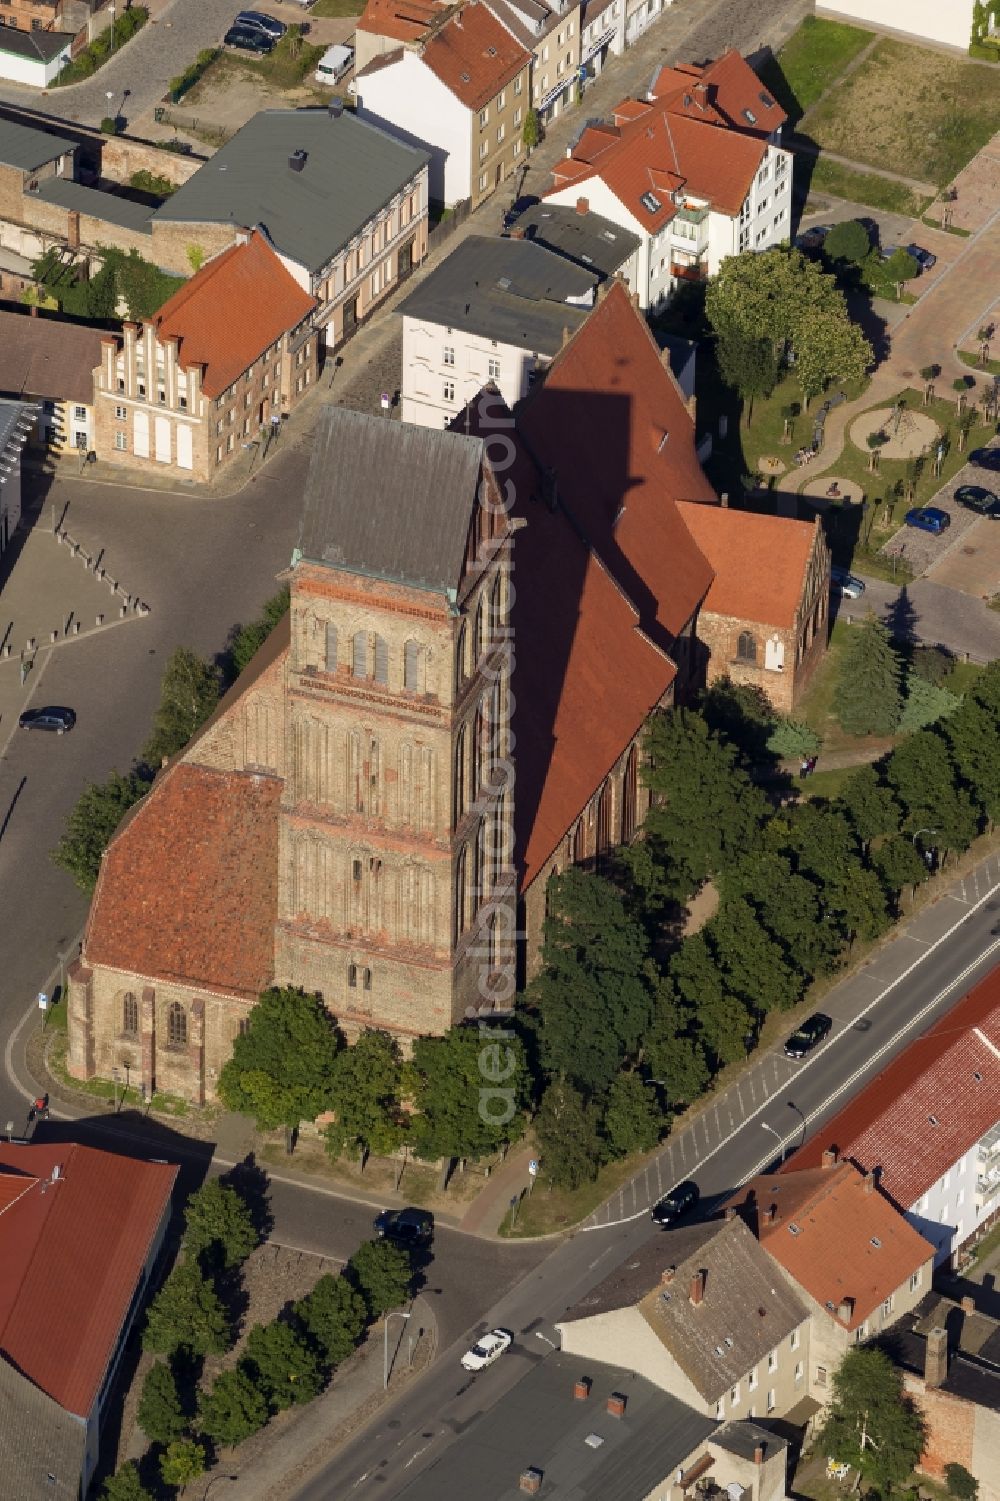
[397, 1314]
[924, 831]
[777, 1136]
[802, 1117]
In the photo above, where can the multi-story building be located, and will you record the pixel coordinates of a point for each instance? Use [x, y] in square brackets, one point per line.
[51, 361]
[550, 31]
[929, 1125]
[222, 363]
[342, 203]
[18, 420]
[383, 24]
[462, 91]
[494, 311]
[34, 55]
[695, 182]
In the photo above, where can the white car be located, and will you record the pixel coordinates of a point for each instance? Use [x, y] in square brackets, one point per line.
[487, 1349]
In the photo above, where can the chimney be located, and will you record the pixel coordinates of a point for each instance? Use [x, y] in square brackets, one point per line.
[701, 93]
[724, 499]
[697, 1292]
[771, 1215]
[870, 1182]
[830, 1157]
[583, 206]
[730, 1213]
[335, 108]
[635, 300]
[845, 1310]
[758, 1454]
[968, 1304]
[667, 1275]
[936, 1357]
[616, 1404]
[517, 233]
[297, 160]
[530, 1481]
[581, 1388]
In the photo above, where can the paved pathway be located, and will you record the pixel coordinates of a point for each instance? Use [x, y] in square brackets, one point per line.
[940, 615]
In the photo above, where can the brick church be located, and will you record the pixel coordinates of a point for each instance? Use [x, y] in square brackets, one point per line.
[482, 620]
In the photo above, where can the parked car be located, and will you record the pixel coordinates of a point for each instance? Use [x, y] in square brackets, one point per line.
[335, 62]
[259, 20]
[679, 1201]
[53, 718]
[847, 584]
[248, 39]
[923, 257]
[978, 498]
[407, 1227]
[812, 239]
[811, 1032]
[986, 458]
[487, 1349]
[928, 519]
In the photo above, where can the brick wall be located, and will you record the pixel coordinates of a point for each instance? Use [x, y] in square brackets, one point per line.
[171, 242]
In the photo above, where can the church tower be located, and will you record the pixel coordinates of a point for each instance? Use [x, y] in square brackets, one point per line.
[396, 891]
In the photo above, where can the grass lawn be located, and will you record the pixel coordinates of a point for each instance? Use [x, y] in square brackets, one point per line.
[337, 8]
[817, 710]
[816, 54]
[992, 367]
[862, 187]
[906, 109]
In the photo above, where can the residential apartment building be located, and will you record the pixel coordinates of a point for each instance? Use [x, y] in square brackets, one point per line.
[493, 312]
[697, 1312]
[343, 204]
[550, 31]
[223, 361]
[602, 34]
[51, 361]
[17, 422]
[929, 1125]
[694, 182]
[462, 92]
[586, 239]
[384, 24]
[845, 1249]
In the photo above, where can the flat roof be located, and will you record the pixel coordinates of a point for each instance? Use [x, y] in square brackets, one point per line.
[22, 145]
[352, 170]
[96, 204]
[588, 239]
[511, 291]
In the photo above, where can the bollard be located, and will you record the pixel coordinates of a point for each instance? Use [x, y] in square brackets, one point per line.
[99, 620]
[53, 636]
[76, 628]
[100, 573]
[6, 651]
[123, 612]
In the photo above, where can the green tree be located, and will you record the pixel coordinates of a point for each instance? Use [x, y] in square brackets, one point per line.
[217, 1220]
[899, 864]
[161, 1414]
[531, 130]
[722, 1020]
[899, 268]
[924, 776]
[869, 805]
[792, 740]
[788, 908]
[826, 850]
[334, 1315]
[868, 699]
[282, 1364]
[382, 1274]
[594, 996]
[847, 242]
[925, 704]
[186, 1314]
[181, 1462]
[102, 294]
[282, 1068]
[835, 349]
[92, 824]
[748, 365]
[741, 713]
[871, 1423]
[248, 639]
[188, 694]
[367, 1079]
[753, 965]
[632, 1120]
[470, 1091]
[125, 1485]
[568, 1132]
[961, 1485]
[973, 737]
[673, 1052]
[233, 1409]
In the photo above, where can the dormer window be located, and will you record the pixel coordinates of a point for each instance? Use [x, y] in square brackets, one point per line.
[650, 203]
[750, 117]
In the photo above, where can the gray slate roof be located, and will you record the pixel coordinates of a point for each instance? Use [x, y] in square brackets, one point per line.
[390, 499]
[38, 1440]
[508, 290]
[37, 46]
[25, 147]
[747, 1308]
[352, 171]
[539, 1423]
[137, 217]
[48, 357]
[588, 239]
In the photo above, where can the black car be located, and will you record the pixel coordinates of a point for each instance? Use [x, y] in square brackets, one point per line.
[407, 1227]
[52, 718]
[679, 1201]
[977, 498]
[248, 39]
[986, 458]
[258, 20]
[811, 1032]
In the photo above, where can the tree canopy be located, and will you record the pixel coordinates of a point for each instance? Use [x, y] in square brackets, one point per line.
[470, 1093]
[871, 1423]
[283, 1067]
[868, 697]
[218, 1222]
[186, 1314]
[382, 1274]
[367, 1080]
[188, 694]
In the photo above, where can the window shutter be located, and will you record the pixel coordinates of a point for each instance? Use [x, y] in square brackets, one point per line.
[331, 647]
[411, 658]
[381, 660]
[361, 654]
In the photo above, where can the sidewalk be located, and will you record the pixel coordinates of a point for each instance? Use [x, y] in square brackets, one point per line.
[490, 1207]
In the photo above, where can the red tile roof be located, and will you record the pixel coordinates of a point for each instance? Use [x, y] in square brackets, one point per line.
[231, 311]
[928, 1107]
[760, 562]
[836, 1235]
[734, 88]
[474, 56]
[188, 886]
[401, 20]
[72, 1252]
[655, 149]
[610, 423]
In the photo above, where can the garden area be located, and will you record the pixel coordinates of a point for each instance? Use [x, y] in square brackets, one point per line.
[121, 281]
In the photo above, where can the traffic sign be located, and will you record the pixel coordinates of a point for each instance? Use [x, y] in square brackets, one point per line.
[533, 1167]
[43, 1001]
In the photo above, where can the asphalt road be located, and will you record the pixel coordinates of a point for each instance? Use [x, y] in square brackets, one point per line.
[410, 1434]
